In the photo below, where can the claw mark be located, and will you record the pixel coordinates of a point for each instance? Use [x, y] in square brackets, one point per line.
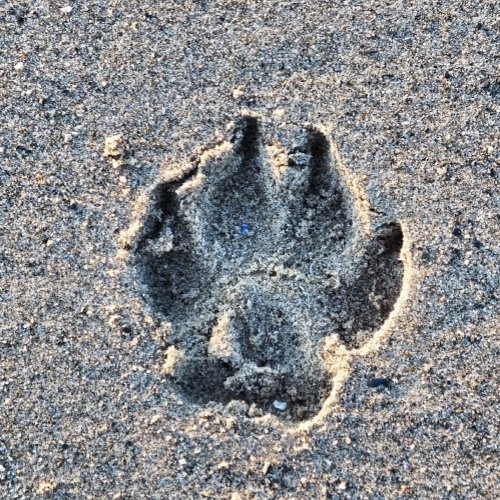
[320, 171]
[249, 145]
[164, 204]
[268, 281]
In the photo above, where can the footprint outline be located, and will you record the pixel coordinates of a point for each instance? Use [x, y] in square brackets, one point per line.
[165, 241]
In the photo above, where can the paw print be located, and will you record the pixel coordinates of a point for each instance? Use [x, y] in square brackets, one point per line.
[255, 256]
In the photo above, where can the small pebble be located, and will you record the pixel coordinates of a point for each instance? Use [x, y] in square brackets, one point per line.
[113, 146]
[244, 229]
[379, 382]
[280, 405]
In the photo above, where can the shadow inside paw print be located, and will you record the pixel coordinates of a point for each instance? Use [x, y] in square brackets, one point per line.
[254, 257]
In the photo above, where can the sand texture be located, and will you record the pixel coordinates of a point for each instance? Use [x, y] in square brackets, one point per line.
[249, 249]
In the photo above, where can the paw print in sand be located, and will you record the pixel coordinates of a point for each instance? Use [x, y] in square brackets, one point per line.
[256, 256]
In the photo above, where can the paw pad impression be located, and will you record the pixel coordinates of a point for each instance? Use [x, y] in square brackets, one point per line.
[255, 255]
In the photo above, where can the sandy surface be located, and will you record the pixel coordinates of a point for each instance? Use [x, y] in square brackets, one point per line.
[408, 94]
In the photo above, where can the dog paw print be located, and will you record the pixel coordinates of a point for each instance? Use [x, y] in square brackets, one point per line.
[255, 256]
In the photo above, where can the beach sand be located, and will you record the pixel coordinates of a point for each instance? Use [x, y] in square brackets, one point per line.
[249, 249]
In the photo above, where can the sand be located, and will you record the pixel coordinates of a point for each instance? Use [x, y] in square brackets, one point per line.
[249, 249]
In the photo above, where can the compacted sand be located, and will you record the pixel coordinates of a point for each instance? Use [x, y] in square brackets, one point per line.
[249, 249]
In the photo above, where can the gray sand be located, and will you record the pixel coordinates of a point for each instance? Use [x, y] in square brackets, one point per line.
[390, 382]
